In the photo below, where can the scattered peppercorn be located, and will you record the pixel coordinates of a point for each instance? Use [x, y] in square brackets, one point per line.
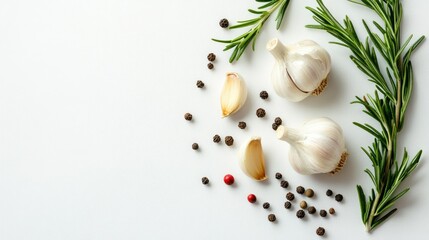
[188, 116]
[210, 66]
[200, 84]
[300, 189]
[272, 217]
[205, 180]
[311, 210]
[251, 198]
[338, 197]
[278, 121]
[320, 231]
[216, 138]
[224, 23]
[288, 204]
[323, 213]
[228, 179]
[284, 184]
[290, 196]
[211, 57]
[229, 140]
[309, 192]
[300, 214]
[263, 95]
[274, 126]
[332, 211]
[279, 175]
[329, 192]
[195, 146]
[242, 125]
[260, 112]
[303, 204]
[266, 205]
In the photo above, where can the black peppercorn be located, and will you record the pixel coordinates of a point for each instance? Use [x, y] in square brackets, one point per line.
[311, 210]
[205, 180]
[284, 184]
[188, 116]
[323, 213]
[329, 192]
[224, 23]
[263, 95]
[309, 192]
[242, 125]
[211, 57]
[272, 217]
[300, 189]
[288, 204]
[229, 140]
[266, 205]
[200, 84]
[260, 112]
[300, 214]
[338, 197]
[210, 66]
[216, 138]
[195, 146]
[279, 175]
[290, 196]
[278, 121]
[332, 211]
[274, 126]
[320, 231]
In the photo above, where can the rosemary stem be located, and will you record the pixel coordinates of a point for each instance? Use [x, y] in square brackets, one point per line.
[388, 166]
[373, 209]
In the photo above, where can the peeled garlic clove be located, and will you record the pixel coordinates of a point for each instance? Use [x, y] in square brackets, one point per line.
[318, 146]
[252, 159]
[301, 69]
[233, 95]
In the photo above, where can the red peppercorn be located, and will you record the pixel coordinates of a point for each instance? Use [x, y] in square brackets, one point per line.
[251, 198]
[228, 179]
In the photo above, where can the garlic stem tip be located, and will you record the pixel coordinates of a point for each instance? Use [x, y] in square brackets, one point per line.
[272, 44]
[280, 132]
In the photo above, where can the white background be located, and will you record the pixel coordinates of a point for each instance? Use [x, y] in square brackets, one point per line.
[93, 144]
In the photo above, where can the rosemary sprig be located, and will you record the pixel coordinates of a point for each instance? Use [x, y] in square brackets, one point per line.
[240, 43]
[387, 106]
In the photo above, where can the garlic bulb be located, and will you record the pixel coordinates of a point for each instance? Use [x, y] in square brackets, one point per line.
[301, 69]
[317, 146]
[252, 159]
[233, 95]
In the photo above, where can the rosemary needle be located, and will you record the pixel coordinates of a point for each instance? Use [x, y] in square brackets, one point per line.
[240, 43]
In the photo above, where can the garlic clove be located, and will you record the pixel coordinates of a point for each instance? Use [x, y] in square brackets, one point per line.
[318, 146]
[251, 160]
[284, 86]
[233, 95]
[301, 69]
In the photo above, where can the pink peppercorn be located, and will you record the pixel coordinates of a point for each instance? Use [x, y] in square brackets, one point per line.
[251, 198]
[228, 179]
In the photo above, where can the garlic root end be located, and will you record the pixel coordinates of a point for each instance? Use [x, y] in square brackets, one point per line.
[341, 163]
[321, 87]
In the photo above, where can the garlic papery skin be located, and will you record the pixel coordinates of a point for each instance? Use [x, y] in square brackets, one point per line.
[300, 69]
[318, 146]
[233, 95]
[251, 159]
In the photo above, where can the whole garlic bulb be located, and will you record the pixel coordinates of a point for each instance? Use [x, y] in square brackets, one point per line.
[317, 146]
[301, 69]
[233, 95]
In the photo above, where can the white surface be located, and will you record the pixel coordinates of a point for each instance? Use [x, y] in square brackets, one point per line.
[93, 144]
